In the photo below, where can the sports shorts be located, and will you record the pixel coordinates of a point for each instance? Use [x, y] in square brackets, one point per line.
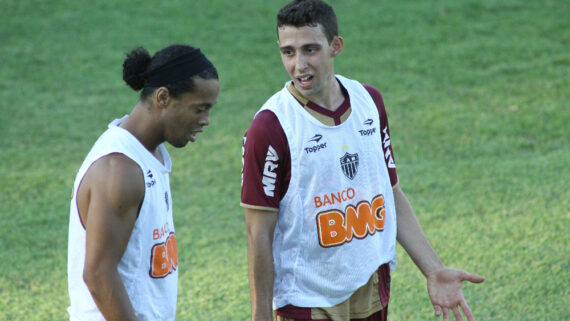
[368, 303]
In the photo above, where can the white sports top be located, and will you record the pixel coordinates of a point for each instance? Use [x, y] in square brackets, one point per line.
[336, 224]
[149, 266]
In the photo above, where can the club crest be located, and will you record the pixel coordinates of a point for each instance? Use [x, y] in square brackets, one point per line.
[349, 165]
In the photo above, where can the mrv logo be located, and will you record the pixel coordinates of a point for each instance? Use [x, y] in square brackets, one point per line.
[315, 148]
[269, 174]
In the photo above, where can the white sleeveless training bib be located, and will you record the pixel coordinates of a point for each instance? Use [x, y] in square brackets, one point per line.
[337, 222]
[149, 266]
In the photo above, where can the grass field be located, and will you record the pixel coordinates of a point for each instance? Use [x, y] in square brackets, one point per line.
[477, 95]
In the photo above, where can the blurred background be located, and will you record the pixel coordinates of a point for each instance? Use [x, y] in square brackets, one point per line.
[477, 98]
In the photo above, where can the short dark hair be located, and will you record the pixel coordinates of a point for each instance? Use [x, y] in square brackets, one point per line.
[300, 13]
[139, 60]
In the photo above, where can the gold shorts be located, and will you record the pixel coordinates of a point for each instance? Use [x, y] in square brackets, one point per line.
[369, 302]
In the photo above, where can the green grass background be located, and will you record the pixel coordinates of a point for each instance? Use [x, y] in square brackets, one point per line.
[477, 95]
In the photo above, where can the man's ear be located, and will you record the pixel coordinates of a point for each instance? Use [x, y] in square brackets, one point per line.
[337, 44]
[162, 97]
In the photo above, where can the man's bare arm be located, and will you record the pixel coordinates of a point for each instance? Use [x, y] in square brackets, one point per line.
[109, 199]
[260, 229]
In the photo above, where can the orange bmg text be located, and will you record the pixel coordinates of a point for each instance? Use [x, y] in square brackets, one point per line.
[164, 258]
[336, 228]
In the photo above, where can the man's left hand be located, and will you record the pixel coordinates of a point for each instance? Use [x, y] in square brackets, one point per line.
[444, 288]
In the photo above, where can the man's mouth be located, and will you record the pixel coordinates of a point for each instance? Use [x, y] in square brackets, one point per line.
[194, 134]
[305, 81]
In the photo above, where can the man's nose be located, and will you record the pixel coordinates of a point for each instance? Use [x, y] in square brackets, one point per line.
[301, 62]
[205, 121]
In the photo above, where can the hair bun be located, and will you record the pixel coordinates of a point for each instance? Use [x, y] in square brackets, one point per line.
[134, 66]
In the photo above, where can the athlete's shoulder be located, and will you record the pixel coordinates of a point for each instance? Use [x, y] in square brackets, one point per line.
[264, 126]
[264, 164]
[264, 121]
[374, 93]
[265, 130]
[114, 182]
[118, 174]
[377, 98]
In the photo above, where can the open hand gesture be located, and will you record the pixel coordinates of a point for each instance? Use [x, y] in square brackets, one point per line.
[444, 288]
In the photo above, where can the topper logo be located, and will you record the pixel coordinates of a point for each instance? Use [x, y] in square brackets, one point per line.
[367, 132]
[151, 178]
[315, 148]
[316, 138]
[337, 228]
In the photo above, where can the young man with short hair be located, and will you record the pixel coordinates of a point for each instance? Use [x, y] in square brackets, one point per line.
[322, 202]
